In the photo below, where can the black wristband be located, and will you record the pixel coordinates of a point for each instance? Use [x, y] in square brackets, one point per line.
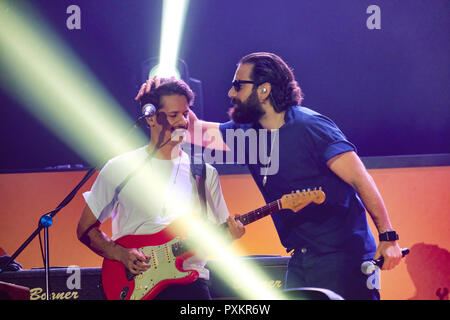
[388, 236]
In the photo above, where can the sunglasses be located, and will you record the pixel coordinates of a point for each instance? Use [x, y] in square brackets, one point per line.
[237, 84]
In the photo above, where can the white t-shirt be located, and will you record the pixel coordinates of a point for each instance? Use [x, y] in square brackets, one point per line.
[159, 192]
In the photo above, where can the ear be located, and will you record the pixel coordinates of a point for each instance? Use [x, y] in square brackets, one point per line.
[264, 91]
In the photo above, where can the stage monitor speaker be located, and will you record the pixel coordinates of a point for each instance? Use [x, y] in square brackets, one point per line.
[308, 293]
[274, 267]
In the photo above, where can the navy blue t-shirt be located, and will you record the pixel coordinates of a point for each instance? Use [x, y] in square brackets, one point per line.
[307, 141]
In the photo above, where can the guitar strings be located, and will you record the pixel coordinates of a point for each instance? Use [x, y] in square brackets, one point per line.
[248, 218]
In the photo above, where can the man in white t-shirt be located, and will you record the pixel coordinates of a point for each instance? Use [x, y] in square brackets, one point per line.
[144, 191]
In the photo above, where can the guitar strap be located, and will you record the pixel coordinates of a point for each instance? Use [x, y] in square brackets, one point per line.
[198, 170]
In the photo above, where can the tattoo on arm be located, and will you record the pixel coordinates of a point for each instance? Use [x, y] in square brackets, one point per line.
[98, 242]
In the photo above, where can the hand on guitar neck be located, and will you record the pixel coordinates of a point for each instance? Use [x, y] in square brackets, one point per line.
[235, 227]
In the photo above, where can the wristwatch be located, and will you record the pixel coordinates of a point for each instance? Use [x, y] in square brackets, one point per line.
[388, 236]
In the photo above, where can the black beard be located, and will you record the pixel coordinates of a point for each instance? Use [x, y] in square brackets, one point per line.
[249, 111]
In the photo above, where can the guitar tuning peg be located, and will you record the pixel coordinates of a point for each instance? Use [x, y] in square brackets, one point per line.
[309, 190]
[303, 190]
[298, 191]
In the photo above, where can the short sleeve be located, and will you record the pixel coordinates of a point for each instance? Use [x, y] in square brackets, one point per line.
[100, 197]
[326, 139]
[217, 207]
[223, 127]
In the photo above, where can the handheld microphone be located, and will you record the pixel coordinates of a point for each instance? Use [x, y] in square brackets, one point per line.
[368, 267]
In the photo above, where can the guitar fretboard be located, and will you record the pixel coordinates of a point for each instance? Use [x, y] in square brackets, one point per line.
[252, 216]
[295, 202]
[259, 213]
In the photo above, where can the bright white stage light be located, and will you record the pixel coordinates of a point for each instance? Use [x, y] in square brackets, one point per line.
[173, 16]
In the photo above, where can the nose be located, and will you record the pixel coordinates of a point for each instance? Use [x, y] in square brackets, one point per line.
[232, 92]
[183, 121]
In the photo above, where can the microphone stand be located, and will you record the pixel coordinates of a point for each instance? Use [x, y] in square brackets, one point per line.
[46, 221]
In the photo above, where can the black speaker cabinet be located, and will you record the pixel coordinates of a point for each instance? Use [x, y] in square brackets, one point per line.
[67, 283]
[85, 283]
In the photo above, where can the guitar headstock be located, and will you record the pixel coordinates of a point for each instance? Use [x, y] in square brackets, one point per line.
[300, 199]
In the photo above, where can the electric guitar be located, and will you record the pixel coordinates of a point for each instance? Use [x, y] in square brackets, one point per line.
[166, 253]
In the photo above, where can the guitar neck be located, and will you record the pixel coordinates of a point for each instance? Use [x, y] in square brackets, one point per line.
[252, 216]
[259, 213]
[294, 201]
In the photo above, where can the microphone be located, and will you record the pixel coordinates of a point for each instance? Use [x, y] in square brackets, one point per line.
[368, 267]
[148, 110]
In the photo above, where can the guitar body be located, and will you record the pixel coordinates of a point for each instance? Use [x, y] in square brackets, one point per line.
[165, 270]
[166, 253]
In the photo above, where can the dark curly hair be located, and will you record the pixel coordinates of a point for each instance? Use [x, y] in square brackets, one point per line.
[268, 67]
[168, 87]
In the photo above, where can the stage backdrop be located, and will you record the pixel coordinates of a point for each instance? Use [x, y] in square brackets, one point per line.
[417, 199]
[386, 88]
